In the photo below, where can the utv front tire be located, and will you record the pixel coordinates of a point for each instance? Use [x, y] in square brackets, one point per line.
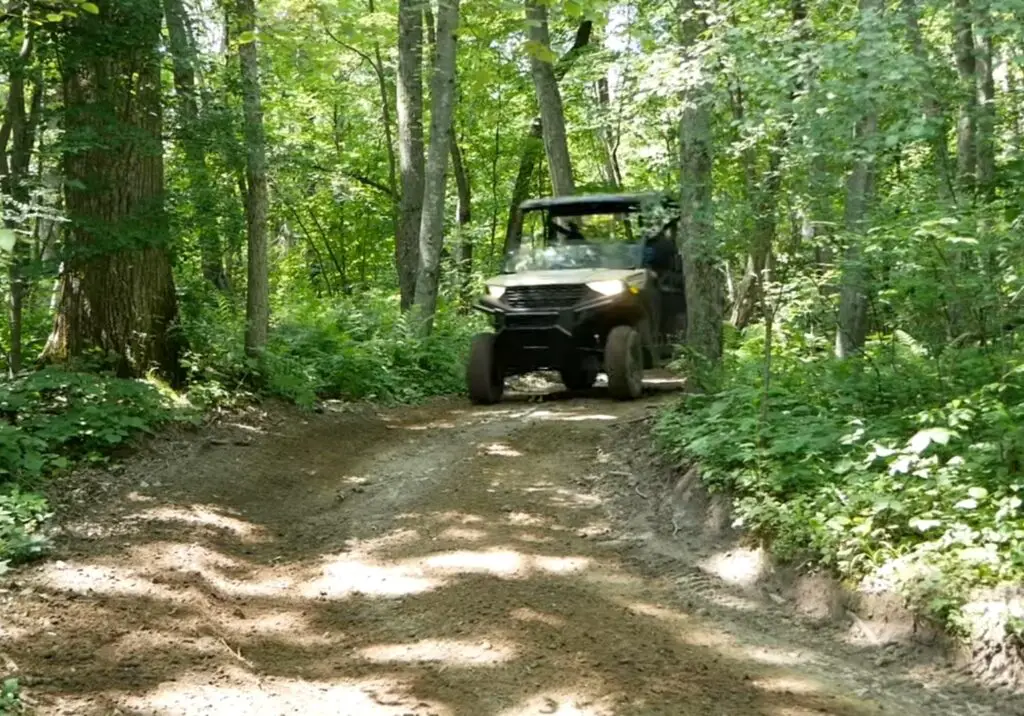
[624, 363]
[484, 377]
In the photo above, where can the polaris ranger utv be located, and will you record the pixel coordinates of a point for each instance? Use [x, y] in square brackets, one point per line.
[597, 286]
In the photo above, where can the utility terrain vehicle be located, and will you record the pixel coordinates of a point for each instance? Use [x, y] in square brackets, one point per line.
[596, 285]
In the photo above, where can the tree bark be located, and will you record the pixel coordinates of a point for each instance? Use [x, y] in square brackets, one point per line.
[116, 289]
[257, 303]
[189, 137]
[549, 98]
[533, 146]
[17, 138]
[409, 108]
[442, 96]
[986, 142]
[701, 261]
[931, 105]
[966, 66]
[853, 291]
[464, 211]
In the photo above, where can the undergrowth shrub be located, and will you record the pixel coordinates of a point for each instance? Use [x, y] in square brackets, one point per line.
[363, 349]
[54, 418]
[899, 462]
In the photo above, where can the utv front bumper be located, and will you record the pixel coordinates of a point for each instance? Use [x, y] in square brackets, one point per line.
[531, 339]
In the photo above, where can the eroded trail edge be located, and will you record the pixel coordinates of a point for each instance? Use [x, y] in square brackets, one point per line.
[438, 560]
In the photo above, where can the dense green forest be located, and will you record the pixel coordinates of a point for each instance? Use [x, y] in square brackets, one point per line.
[209, 200]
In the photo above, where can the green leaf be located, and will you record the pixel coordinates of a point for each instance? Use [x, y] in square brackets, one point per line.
[923, 438]
[90, 8]
[7, 240]
[968, 504]
[55, 17]
[246, 37]
[978, 493]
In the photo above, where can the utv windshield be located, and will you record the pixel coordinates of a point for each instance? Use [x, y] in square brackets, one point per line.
[576, 242]
[574, 255]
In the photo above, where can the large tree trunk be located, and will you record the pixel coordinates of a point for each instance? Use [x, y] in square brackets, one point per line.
[117, 292]
[966, 66]
[189, 136]
[700, 249]
[549, 98]
[17, 138]
[533, 146]
[442, 99]
[409, 108]
[257, 303]
[853, 291]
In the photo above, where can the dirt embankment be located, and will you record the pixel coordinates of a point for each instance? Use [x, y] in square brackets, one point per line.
[438, 560]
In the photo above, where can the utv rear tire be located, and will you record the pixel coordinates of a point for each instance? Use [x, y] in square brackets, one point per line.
[484, 377]
[578, 377]
[624, 363]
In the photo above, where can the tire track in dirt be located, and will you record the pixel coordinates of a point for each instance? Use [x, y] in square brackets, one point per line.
[436, 560]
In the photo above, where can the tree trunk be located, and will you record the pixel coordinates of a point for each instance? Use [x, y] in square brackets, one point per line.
[442, 96]
[117, 292]
[966, 66]
[257, 303]
[986, 143]
[533, 146]
[700, 249]
[17, 138]
[189, 136]
[609, 139]
[549, 98]
[931, 105]
[464, 213]
[853, 293]
[409, 107]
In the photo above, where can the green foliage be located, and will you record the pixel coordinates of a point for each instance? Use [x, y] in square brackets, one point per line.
[10, 697]
[53, 418]
[356, 350]
[898, 461]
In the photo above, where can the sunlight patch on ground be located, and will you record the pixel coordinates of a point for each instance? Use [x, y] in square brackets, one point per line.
[534, 539]
[343, 576]
[500, 450]
[373, 545]
[463, 534]
[502, 563]
[111, 581]
[568, 417]
[454, 652]
[563, 703]
[524, 614]
[434, 425]
[742, 567]
[525, 519]
[787, 685]
[202, 516]
[244, 695]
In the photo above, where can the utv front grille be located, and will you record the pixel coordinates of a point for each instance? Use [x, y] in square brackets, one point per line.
[558, 296]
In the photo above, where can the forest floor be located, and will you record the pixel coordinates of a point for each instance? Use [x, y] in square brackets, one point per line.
[441, 559]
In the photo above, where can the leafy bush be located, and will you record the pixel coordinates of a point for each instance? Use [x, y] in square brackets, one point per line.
[10, 697]
[53, 418]
[357, 351]
[898, 462]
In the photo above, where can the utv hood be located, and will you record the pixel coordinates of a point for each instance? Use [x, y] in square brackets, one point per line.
[562, 277]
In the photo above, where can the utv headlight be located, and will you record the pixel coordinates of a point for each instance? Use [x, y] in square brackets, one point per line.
[607, 288]
[495, 291]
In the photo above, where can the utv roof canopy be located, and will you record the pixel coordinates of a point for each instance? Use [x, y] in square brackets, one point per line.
[594, 203]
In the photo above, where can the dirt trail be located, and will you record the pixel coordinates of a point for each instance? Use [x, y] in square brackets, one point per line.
[439, 560]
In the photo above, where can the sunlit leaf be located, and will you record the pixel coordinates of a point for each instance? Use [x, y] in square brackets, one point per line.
[7, 240]
[90, 8]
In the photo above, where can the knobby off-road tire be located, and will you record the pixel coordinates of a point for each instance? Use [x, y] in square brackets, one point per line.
[484, 377]
[624, 363]
[578, 377]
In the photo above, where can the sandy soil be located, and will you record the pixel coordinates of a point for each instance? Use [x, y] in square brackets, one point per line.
[436, 560]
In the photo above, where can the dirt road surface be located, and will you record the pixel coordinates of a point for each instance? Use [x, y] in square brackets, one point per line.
[440, 560]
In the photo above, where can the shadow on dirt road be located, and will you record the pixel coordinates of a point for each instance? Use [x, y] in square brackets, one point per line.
[438, 560]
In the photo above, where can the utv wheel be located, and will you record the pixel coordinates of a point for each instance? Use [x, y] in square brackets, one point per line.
[578, 377]
[484, 377]
[624, 363]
